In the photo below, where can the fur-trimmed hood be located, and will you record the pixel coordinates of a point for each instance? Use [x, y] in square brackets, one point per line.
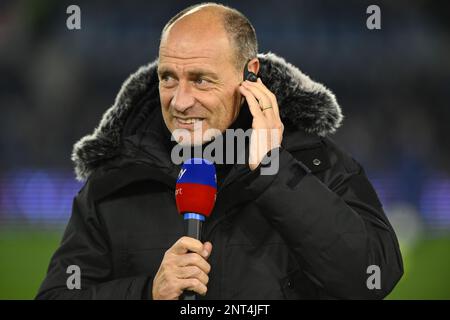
[303, 103]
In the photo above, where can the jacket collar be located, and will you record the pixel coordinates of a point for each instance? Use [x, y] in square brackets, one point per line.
[305, 106]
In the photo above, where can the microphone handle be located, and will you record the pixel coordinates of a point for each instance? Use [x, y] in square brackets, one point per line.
[192, 228]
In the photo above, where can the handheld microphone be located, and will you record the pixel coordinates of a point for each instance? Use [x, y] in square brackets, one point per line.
[195, 195]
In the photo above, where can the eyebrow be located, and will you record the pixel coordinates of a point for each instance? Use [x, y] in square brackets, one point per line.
[191, 73]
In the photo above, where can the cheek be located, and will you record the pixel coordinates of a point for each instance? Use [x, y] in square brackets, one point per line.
[228, 107]
[164, 98]
[219, 111]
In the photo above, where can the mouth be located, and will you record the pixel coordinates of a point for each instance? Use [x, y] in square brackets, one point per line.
[188, 123]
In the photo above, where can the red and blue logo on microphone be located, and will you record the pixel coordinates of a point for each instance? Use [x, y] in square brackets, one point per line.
[196, 188]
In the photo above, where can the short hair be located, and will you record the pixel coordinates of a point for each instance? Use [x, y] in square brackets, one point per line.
[240, 31]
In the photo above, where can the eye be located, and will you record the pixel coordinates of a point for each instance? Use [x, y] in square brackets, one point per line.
[167, 80]
[165, 77]
[202, 82]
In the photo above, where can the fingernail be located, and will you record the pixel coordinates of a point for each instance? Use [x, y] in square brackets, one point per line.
[205, 253]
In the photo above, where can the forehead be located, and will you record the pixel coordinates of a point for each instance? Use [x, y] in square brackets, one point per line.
[191, 42]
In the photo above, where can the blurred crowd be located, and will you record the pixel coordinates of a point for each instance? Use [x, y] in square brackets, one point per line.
[392, 84]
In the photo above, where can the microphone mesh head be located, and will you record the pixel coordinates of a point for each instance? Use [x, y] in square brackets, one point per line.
[196, 187]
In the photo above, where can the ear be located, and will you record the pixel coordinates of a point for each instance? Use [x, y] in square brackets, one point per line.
[253, 65]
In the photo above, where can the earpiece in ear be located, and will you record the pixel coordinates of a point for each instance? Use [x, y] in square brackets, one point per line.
[251, 77]
[248, 75]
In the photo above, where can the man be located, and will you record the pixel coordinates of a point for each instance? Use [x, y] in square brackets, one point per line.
[311, 230]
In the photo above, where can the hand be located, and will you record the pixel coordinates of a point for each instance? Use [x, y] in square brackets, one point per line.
[183, 267]
[267, 127]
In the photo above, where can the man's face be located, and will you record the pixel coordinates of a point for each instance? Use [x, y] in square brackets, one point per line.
[198, 80]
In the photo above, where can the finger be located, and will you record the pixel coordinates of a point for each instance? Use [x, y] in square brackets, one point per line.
[194, 259]
[278, 123]
[259, 92]
[193, 285]
[253, 104]
[263, 99]
[207, 247]
[271, 95]
[192, 272]
[188, 244]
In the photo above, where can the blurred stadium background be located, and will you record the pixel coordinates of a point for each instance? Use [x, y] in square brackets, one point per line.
[393, 85]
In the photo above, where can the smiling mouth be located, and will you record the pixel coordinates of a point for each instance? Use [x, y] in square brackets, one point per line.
[188, 120]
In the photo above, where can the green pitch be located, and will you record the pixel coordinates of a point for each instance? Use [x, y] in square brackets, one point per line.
[24, 258]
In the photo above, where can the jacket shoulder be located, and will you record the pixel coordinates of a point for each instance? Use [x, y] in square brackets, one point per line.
[340, 157]
[320, 154]
[112, 179]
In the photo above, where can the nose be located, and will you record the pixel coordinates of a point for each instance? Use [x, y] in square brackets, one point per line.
[183, 98]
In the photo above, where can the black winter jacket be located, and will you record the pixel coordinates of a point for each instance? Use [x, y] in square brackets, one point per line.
[308, 232]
